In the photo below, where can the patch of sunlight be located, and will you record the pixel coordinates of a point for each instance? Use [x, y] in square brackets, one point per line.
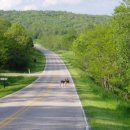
[74, 72]
[108, 122]
[101, 104]
[91, 95]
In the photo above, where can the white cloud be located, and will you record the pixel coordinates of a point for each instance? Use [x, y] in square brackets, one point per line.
[30, 7]
[49, 2]
[9, 4]
[72, 1]
[60, 2]
[34, 4]
[78, 6]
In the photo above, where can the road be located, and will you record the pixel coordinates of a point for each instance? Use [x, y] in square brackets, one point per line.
[44, 105]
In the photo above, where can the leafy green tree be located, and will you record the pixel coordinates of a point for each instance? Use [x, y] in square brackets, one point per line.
[19, 45]
[96, 52]
[67, 41]
[122, 36]
[104, 51]
[4, 24]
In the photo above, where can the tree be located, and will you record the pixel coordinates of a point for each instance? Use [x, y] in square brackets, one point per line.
[104, 51]
[122, 34]
[4, 25]
[19, 45]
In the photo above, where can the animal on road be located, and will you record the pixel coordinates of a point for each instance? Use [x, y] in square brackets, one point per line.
[67, 81]
[64, 82]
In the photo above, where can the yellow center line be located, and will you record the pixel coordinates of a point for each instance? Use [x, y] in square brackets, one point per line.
[12, 117]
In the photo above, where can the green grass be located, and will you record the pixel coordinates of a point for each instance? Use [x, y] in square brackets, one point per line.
[37, 66]
[40, 62]
[105, 111]
[14, 84]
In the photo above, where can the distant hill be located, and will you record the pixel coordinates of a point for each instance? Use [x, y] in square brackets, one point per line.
[41, 23]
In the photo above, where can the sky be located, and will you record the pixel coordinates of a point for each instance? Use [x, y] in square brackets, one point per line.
[98, 7]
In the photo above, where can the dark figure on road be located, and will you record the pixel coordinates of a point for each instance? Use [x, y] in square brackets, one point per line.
[64, 82]
[67, 81]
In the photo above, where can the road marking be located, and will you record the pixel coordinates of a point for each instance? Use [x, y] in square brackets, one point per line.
[12, 117]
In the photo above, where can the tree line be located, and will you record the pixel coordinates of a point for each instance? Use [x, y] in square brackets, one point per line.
[15, 46]
[104, 51]
[54, 29]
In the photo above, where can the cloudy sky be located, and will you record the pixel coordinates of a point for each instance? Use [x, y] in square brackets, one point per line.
[77, 6]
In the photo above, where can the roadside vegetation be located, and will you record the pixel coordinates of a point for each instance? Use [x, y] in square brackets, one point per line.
[16, 46]
[17, 53]
[103, 52]
[36, 64]
[37, 61]
[104, 110]
[14, 84]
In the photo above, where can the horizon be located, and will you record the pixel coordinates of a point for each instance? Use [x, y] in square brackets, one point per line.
[54, 11]
[90, 7]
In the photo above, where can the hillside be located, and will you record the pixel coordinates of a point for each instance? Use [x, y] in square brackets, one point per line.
[41, 23]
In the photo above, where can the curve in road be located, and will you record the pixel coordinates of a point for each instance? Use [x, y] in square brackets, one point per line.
[44, 105]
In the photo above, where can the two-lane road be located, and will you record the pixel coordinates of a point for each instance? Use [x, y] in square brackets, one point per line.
[44, 105]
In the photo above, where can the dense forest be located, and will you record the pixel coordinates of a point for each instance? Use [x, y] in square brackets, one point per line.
[15, 46]
[57, 28]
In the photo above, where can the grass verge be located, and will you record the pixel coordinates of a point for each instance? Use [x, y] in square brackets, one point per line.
[14, 84]
[105, 111]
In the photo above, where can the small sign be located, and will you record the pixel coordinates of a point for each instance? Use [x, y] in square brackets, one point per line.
[3, 79]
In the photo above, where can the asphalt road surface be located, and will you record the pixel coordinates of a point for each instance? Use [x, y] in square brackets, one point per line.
[44, 105]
